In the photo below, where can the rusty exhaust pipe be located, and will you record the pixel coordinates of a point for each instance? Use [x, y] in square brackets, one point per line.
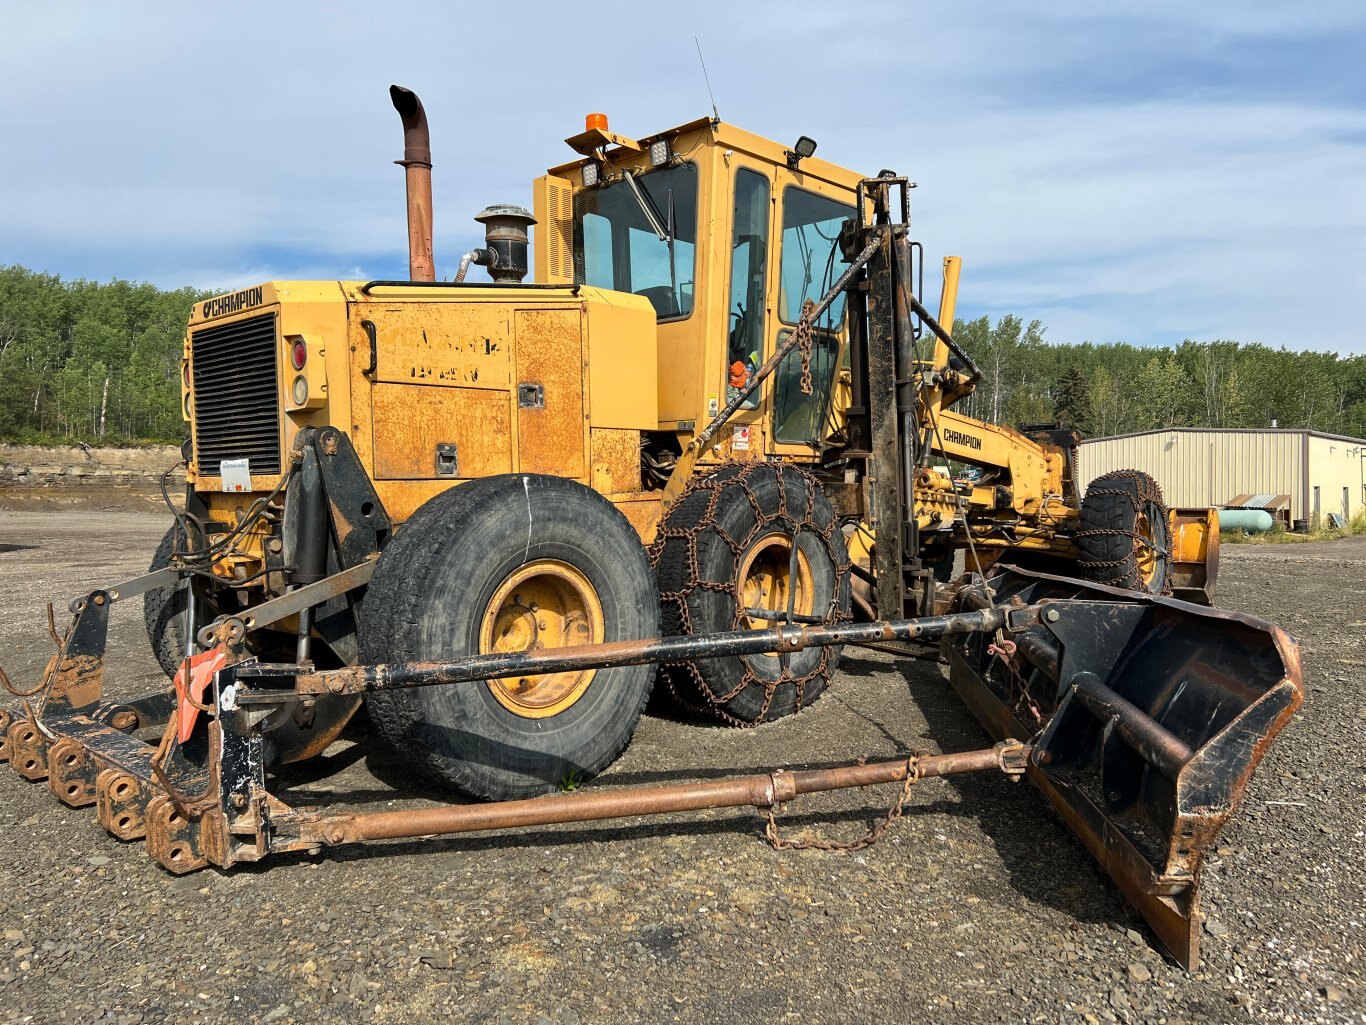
[417, 159]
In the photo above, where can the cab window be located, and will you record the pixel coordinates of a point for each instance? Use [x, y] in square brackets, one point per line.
[810, 263]
[617, 246]
[810, 256]
[748, 277]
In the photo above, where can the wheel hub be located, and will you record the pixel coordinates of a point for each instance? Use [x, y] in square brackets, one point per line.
[1146, 557]
[766, 581]
[544, 604]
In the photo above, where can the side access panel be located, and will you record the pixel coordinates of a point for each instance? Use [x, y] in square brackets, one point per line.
[551, 426]
[439, 402]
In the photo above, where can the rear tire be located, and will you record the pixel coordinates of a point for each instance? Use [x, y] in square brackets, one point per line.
[727, 540]
[1124, 540]
[465, 574]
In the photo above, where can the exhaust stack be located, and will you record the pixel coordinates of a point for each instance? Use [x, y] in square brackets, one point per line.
[417, 159]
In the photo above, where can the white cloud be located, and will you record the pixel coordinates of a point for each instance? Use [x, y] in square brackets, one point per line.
[216, 146]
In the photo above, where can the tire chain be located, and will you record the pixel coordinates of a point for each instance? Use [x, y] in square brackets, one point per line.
[1145, 490]
[804, 340]
[715, 486]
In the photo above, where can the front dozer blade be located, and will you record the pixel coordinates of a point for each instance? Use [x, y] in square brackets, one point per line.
[1154, 713]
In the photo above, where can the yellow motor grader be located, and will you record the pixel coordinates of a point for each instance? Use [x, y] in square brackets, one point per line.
[710, 442]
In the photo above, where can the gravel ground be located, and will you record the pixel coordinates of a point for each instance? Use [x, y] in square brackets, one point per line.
[978, 906]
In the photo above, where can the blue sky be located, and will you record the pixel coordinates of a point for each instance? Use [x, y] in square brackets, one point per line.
[1121, 171]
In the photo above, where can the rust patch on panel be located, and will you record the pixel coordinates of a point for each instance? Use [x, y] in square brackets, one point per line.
[456, 345]
[616, 460]
[550, 435]
[643, 511]
[410, 422]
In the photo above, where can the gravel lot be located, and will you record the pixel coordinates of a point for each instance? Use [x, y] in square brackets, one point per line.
[978, 906]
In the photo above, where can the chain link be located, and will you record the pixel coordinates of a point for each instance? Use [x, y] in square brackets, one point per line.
[804, 339]
[781, 843]
[718, 487]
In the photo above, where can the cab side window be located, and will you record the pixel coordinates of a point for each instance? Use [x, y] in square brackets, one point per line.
[810, 264]
[748, 280]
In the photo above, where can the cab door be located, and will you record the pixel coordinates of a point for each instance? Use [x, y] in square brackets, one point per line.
[747, 285]
[805, 263]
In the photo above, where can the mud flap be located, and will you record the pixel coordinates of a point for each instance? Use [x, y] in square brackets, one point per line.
[1151, 715]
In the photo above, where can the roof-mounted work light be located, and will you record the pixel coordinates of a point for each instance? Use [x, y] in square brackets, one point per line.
[805, 147]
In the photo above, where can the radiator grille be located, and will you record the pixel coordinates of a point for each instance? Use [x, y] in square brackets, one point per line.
[236, 395]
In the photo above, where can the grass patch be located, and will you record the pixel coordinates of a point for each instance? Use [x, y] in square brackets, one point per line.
[1319, 530]
[51, 439]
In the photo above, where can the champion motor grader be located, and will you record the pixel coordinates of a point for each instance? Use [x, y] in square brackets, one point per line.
[711, 437]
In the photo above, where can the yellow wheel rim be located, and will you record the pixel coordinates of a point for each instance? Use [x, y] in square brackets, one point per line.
[765, 581]
[1147, 549]
[544, 604]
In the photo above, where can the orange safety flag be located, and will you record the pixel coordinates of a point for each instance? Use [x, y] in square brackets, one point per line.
[202, 669]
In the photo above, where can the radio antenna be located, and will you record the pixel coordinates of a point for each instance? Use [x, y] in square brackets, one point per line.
[706, 78]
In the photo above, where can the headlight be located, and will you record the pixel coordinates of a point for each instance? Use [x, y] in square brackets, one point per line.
[590, 175]
[187, 405]
[300, 390]
[659, 152]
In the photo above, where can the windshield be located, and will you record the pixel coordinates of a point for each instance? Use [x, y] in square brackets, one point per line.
[617, 247]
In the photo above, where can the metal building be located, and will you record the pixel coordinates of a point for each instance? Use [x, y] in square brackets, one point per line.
[1197, 466]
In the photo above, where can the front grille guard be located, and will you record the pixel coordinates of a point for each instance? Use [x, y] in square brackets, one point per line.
[236, 399]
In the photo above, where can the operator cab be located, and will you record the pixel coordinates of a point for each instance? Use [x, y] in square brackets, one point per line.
[727, 235]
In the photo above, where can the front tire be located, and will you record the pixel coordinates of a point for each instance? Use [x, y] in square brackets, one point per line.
[725, 549]
[164, 609]
[1124, 540]
[504, 564]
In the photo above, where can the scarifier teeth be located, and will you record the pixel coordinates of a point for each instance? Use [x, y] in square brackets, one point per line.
[70, 773]
[129, 808]
[28, 750]
[120, 802]
[172, 839]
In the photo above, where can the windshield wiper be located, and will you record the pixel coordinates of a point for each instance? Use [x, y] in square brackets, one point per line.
[673, 262]
[647, 207]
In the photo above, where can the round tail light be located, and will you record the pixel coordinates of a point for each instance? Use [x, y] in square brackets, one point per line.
[298, 353]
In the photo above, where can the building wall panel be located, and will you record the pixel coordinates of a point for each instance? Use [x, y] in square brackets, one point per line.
[1204, 468]
[1337, 467]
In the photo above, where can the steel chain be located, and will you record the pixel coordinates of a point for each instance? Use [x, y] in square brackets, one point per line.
[804, 339]
[715, 486]
[869, 838]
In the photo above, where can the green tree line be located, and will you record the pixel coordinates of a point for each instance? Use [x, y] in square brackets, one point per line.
[99, 362]
[1117, 388]
[89, 361]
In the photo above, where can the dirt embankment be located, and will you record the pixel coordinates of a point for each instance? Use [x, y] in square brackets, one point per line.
[42, 478]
